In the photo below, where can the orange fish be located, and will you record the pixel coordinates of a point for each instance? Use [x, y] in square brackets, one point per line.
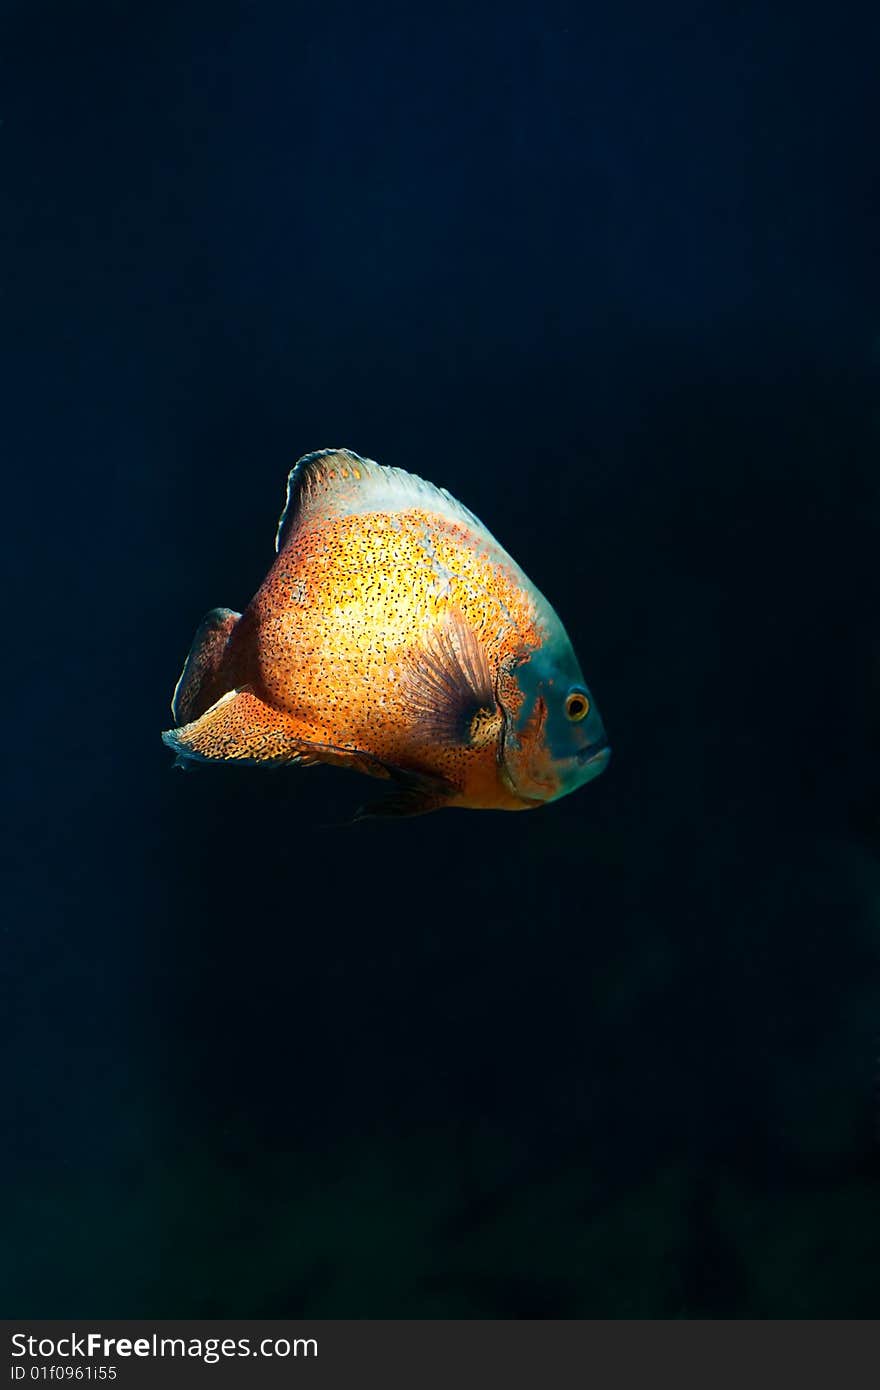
[395, 636]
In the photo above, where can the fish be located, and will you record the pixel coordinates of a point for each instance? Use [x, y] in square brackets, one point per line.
[393, 635]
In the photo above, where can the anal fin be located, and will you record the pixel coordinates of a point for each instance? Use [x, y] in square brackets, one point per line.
[239, 728]
[242, 728]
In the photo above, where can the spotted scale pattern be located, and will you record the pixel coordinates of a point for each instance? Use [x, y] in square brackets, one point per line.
[373, 563]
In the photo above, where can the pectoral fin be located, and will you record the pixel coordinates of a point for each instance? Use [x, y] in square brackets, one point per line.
[448, 686]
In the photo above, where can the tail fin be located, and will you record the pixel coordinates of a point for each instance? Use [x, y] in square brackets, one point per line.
[199, 686]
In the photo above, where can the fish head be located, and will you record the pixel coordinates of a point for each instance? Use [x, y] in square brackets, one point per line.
[554, 738]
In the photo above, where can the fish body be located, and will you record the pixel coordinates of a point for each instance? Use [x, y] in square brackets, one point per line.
[393, 635]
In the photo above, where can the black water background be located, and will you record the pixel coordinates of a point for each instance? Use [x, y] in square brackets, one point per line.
[608, 275]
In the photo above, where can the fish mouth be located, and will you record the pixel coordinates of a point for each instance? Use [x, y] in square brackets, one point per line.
[594, 753]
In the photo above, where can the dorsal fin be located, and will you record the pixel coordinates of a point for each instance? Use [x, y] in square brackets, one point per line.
[338, 482]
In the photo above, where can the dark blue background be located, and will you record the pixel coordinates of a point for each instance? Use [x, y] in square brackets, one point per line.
[609, 274]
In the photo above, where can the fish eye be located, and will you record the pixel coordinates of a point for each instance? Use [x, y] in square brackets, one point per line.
[577, 705]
